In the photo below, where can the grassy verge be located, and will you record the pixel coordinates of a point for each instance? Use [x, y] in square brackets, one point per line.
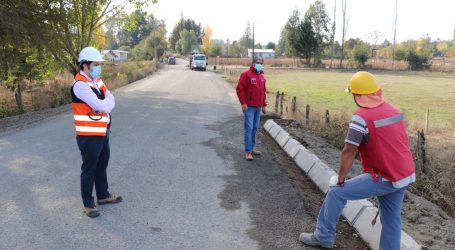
[56, 92]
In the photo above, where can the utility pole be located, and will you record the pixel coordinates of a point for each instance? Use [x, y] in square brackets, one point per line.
[252, 56]
[394, 34]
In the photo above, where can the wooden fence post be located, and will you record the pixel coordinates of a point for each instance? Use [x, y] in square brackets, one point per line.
[307, 114]
[421, 151]
[427, 120]
[277, 101]
[281, 103]
[327, 117]
[294, 103]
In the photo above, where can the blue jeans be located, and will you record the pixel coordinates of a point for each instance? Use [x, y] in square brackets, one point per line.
[360, 187]
[252, 122]
[95, 153]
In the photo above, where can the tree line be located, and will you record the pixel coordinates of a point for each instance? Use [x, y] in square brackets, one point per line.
[311, 37]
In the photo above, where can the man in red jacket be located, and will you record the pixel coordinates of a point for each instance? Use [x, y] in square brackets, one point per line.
[252, 96]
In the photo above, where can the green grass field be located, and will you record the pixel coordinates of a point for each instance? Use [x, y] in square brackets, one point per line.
[413, 93]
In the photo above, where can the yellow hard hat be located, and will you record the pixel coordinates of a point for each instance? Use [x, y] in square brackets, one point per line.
[363, 83]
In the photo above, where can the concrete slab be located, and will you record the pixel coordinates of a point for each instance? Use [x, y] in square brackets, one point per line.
[282, 138]
[305, 160]
[291, 147]
[320, 174]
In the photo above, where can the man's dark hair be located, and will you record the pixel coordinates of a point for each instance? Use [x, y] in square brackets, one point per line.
[81, 64]
[257, 59]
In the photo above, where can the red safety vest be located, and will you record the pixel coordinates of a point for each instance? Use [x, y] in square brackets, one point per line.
[86, 120]
[387, 152]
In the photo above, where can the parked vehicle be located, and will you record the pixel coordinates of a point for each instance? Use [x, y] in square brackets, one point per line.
[171, 60]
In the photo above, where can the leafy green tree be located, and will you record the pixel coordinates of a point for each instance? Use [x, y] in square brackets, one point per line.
[153, 46]
[187, 42]
[281, 46]
[216, 49]
[64, 28]
[306, 42]
[185, 24]
[22, 59]
[270, 45]
[290, 33]
[318, 16]
[134, 28]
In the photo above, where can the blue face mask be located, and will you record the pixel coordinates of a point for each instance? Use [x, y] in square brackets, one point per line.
[258, 67]
[95, 72]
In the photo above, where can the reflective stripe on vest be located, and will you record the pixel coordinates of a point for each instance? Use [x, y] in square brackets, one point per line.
[389, 121]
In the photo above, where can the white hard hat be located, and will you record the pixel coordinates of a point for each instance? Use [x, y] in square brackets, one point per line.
[90, 54]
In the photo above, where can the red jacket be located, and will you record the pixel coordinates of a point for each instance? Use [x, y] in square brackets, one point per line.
[251, 88]
[387, 153]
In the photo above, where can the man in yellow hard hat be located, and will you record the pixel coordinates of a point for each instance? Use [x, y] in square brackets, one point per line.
[378, 132]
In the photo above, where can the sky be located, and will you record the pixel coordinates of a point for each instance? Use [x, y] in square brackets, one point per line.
[228, 19]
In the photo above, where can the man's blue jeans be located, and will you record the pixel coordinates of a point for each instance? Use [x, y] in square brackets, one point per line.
[360, 187]
[252, 122]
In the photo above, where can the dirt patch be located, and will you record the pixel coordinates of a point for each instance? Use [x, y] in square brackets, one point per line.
[13, 123]
[423, 220]
[283, 202]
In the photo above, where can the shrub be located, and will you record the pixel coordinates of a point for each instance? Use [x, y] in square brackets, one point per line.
[361, 54]
[417, 61]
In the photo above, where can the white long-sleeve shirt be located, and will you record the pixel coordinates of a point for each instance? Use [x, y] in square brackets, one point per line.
[85, 93]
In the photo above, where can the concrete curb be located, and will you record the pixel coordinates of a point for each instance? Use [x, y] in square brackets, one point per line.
[359, 214]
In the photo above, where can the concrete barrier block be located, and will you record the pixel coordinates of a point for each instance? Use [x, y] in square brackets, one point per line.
[275, 130]
[320, 174]
[353, 209]
[293, 152]
[369, 233]
[408, 243]
[291, 147]
[269, 124]
[282, 138]
[305, 160]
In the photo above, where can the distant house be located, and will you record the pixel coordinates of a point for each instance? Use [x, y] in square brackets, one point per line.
[115, 55]
[261, 53]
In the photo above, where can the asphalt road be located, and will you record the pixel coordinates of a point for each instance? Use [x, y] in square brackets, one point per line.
[176, 158]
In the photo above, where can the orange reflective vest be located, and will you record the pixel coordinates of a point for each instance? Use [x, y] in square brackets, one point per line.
[87, 121]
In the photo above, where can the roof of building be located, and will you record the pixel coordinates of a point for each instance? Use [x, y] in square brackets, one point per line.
[261, 51]
[105, 52]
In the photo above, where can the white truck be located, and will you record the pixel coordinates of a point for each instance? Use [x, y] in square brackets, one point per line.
[198, 61]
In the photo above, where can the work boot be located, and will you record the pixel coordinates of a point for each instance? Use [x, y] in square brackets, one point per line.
[91, 212]
[248, 156]
[309, 239]
[110, 200]
[256, 152]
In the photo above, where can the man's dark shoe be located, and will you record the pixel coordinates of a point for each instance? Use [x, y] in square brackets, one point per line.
[310, 240]
[110, 200]
[91, 212]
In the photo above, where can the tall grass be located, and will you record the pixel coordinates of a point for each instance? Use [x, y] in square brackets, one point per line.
[56, 92]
